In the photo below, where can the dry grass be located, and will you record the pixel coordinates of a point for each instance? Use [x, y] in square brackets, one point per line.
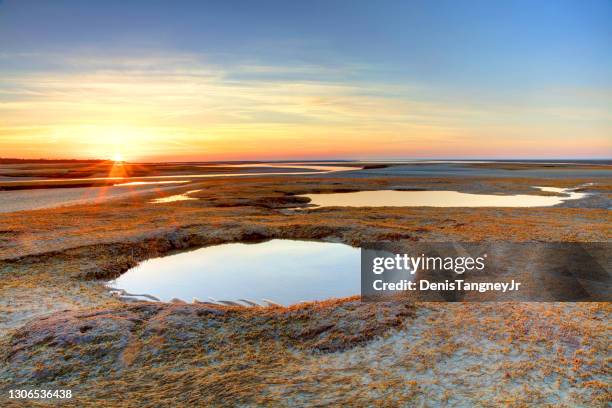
[526, 354]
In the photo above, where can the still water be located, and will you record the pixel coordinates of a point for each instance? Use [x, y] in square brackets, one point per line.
[284, 271]
[176, 197]
[252, 170]
[394, 198]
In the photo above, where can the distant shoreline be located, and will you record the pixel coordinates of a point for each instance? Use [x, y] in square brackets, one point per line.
[608, 161]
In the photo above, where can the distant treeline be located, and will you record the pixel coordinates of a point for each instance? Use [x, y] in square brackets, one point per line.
[18, 161]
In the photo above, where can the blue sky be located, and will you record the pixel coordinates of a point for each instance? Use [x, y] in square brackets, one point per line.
[439, 72]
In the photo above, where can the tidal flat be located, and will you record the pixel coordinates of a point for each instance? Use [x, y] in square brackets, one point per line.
[60, 326]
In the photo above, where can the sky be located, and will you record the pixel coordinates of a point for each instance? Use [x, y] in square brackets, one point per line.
[330, 79]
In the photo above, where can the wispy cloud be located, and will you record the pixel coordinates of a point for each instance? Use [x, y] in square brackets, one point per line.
[174, 104]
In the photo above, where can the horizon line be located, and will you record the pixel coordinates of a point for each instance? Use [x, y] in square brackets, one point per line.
[287, 160]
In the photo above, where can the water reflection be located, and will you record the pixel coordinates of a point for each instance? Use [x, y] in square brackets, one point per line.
[312, 169]
[177, 197]
[315, 167]
[394, 198]
[144, 183]
[284, 271]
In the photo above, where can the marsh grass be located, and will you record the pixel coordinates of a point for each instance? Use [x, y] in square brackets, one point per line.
[59, 326]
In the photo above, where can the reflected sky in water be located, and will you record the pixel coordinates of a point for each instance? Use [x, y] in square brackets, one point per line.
[176, 197]
[394, 198]
[285, 271]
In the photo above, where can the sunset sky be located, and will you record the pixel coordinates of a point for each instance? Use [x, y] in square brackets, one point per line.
[231, 80]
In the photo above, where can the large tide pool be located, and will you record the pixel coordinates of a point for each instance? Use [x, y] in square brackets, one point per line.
[277, 271]
[395, 198]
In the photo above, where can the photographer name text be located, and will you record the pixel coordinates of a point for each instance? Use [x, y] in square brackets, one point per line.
[423, 284]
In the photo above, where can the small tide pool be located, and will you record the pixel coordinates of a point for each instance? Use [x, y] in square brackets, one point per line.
[177, 197]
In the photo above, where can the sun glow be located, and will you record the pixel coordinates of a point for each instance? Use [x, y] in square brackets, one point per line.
[160, 116]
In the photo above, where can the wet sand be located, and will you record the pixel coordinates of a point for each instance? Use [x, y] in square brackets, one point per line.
[20, 200]
[43, 193]
[497, 170]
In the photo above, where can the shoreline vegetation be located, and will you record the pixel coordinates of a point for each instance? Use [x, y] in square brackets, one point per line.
[60, 326]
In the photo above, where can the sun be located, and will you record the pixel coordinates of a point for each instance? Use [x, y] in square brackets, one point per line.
[117, 158]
